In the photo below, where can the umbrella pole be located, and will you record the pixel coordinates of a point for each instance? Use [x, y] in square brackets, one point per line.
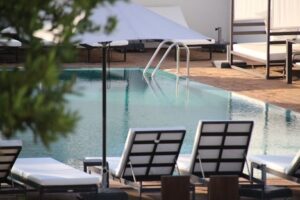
[104, 166]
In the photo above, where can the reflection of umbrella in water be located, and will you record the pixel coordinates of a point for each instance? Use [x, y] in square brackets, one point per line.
[134, 23]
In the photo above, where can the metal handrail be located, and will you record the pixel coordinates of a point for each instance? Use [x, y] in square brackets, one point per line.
[172, 44]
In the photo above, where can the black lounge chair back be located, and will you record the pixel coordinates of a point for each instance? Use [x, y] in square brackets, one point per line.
[220, 148]
[9, 151]
[150, 153]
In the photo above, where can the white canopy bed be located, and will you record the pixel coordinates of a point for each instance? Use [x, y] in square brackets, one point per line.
[278, 20]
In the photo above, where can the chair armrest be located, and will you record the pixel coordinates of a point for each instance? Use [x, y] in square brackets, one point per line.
[262, 168]
[92, 162]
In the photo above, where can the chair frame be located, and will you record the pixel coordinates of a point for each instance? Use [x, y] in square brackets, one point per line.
[268, 62]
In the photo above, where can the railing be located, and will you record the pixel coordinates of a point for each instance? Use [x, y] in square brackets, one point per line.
[171, 44]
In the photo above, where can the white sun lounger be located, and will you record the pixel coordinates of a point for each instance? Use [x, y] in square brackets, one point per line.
[220, 148]
[50, 176]
[149, 153]
[273, 25]
[284, 166]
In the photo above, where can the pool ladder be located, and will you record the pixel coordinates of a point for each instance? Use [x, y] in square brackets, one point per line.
[171, 44]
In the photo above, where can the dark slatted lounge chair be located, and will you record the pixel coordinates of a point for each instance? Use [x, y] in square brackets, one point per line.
[9, 151]
[149, 154]
[220, 148]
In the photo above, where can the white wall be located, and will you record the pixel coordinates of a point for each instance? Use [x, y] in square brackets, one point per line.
[201, 15]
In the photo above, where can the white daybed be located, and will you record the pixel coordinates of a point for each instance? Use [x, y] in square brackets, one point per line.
[278, 20]
[257, 51]
[51, 176]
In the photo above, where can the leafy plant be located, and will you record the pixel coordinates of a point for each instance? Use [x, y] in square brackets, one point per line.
[32, 97]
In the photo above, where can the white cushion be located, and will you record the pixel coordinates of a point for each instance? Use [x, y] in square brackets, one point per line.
[50, 172]
[183, 163]
[287, 164]
[259, 50]
[284, 37]
[278, 163]
[113, 163]
[10, 42]
[9, 30]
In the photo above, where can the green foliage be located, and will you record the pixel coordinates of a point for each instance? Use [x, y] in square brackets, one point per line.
[32, 97]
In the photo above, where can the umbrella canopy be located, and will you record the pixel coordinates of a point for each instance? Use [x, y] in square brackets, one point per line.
[135, 22]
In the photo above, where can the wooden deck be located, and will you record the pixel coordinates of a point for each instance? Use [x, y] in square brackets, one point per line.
[201, 193]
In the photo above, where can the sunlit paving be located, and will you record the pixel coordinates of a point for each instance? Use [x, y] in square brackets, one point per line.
[130, 100]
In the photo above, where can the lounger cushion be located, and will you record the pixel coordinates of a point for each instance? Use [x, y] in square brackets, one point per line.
[183, 163]
[258, 50]
[10, 42]
[278, 163]
[286, 164]
[50, 172]
[113, 163]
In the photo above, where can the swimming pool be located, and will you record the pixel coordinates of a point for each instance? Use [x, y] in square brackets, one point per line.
[163, 101]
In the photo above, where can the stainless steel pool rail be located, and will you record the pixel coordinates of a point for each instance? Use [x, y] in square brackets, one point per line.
[171, 44]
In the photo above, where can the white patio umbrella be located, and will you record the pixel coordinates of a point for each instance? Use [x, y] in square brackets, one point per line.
[135, 22]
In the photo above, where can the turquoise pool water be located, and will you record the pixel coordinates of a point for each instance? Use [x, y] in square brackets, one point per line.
[163, 101]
